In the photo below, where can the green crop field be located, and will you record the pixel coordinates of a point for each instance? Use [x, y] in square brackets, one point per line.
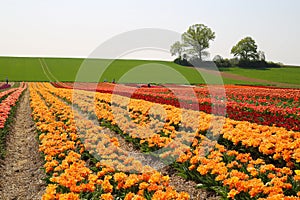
[134, 71]
[283, 75]
[72, 69]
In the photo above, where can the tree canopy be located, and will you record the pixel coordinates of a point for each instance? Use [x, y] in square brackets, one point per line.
[177, 49]
[192, 49]
[194, 42]
[245, 49]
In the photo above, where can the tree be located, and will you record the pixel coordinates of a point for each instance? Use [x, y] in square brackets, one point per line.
[221, 62]
[217, 58]
[196, 39]
[261, 56]
[177, 49]
[246, 49]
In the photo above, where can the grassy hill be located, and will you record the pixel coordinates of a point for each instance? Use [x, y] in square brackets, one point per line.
[134, 71]
[287, 74]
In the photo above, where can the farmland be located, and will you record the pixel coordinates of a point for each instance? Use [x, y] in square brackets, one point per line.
[149, 100]
[239, 164]
[92, 139]
[288, 74]
[66, 69]
[244, 145]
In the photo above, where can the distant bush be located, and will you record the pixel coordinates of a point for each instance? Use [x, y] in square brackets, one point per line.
[227, 63]
[274, 65]
[183, 62]
[234, 61]
[202, 64]
[223, 63]
[252, 64]
[257, 64]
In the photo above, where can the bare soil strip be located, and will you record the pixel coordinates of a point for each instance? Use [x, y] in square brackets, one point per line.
[20, 172]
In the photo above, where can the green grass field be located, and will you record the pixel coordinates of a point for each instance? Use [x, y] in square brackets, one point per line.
[133, 71]
[289, 75]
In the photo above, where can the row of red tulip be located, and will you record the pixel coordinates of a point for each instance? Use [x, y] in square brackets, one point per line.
[283, 112]
[6, 92]
[249, 94]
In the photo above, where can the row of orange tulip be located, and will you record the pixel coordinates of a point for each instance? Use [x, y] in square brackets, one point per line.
[61, 128]
[277, 142]
[115, 114]
[242, 176]
[239, 173]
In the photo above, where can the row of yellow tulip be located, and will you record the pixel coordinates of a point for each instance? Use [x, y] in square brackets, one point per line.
[61, 128]
[239, 173]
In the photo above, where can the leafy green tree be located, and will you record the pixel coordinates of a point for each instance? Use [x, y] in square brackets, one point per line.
[261, 56]
[245, 49]
[221, 62]
[177, 49]
[217, 58]
[196, 39]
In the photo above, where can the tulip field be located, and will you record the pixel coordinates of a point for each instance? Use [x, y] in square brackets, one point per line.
[244, 145]
[8, 101]
[262, 105]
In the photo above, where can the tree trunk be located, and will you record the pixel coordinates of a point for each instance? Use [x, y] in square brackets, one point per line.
[200, 55]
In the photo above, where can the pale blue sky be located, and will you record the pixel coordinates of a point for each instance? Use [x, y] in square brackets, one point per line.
[73, 28]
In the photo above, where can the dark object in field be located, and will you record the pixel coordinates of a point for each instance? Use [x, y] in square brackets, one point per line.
[4, 86]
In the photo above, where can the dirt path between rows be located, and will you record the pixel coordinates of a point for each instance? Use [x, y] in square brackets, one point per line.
[248, 79]
[20, 173]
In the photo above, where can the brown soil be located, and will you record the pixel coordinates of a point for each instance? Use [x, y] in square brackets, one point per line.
[182, 185]
[20, 171]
